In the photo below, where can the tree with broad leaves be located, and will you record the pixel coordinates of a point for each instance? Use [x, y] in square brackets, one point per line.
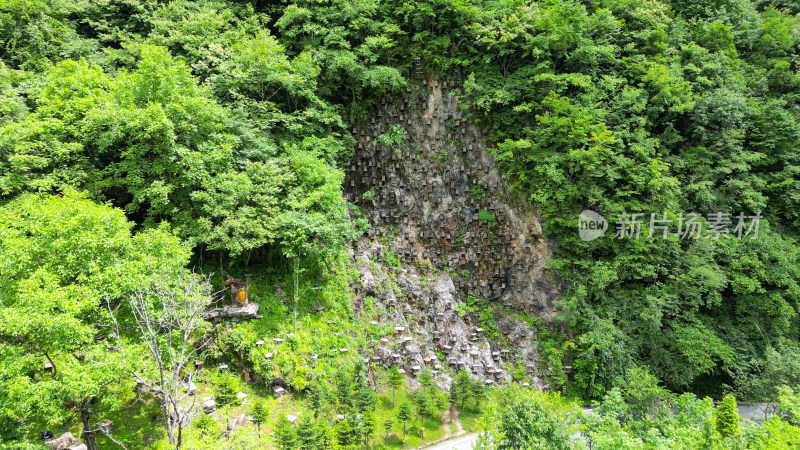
[315, 221]
[60, 259]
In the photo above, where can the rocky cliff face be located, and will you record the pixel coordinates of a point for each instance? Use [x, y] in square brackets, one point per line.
[445, 227]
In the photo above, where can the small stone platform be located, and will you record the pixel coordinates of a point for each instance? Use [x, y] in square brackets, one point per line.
[234, 312]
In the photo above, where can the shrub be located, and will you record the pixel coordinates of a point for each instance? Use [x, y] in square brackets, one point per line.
[531, 423]
[369, 196]
[476, 192]
[727, 417]
[390, 258]
[226, 388]
[205, 425]
[486, 217]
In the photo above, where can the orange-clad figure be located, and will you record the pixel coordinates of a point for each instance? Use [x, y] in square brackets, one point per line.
[239, 294]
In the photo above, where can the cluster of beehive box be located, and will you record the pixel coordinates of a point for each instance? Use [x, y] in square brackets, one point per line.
[430, 326]
[438, 196]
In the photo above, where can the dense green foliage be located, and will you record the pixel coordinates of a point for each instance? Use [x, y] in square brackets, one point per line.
[531, 419]
[648, 107]
[229, 121]
[528, 423]
[138, 136]
[727, 418]
[61, 259]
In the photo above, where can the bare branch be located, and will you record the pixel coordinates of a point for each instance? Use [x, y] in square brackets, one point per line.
[167, 314]
[104, 433]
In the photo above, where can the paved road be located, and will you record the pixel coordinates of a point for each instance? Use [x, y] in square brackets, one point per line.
[755, 411]
[461, 443]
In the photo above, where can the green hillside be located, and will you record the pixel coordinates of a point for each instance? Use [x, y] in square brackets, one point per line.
[399, 190]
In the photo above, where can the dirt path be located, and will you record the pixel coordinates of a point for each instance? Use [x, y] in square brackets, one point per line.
[453, 412]
[451, 416]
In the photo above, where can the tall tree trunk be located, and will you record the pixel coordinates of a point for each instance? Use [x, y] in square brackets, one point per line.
[179, 441]
[88, 431]
[168, 417]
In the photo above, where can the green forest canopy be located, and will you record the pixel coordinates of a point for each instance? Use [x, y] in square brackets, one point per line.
[229, 121]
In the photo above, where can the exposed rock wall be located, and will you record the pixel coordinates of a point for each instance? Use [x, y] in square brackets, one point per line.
[444, 226]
